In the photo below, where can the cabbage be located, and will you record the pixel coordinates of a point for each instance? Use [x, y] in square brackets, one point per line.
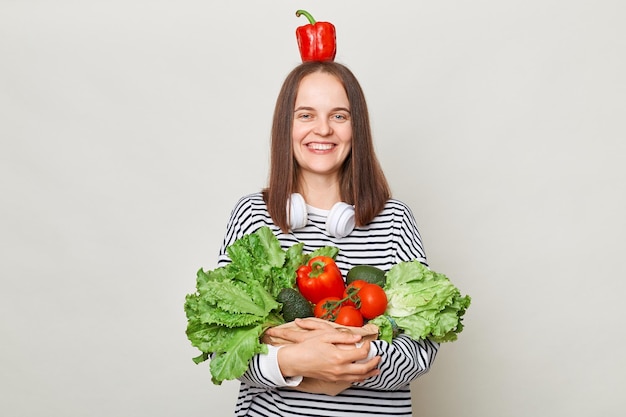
[422, 304]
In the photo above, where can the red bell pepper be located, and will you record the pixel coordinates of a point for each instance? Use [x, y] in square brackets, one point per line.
[320, 278]
[317, 40]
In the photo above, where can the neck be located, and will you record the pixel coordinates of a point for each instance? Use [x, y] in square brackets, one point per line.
[320, 192]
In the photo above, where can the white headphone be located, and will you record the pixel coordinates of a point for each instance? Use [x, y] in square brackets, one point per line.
[340, 221]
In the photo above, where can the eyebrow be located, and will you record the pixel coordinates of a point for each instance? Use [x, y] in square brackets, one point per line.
[312, 109]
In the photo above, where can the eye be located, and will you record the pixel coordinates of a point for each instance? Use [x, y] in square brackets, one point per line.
[340, 117]
[304, 116]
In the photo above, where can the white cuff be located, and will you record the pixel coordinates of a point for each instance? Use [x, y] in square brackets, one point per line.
[268, 365]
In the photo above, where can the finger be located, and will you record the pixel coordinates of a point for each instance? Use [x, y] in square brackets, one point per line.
[363, 371]
[371, 364]
[328, 332]
[313, 323]
[359, 374]
[340, 338]
[291, 335]
[359, 352]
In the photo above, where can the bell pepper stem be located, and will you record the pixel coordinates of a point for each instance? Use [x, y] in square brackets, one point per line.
[317, 268]
[306, 14]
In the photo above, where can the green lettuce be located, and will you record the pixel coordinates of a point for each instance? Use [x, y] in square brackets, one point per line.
[421, 304]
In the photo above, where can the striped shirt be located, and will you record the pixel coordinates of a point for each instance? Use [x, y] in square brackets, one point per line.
[390, 238]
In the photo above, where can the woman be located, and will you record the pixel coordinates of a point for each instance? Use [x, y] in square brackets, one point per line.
[326, 188]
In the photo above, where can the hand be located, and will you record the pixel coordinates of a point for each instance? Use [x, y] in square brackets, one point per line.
[321, 351]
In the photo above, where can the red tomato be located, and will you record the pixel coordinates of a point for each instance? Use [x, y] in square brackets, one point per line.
[327, 308]
[320, 278]
[373, 301]
[349, 316]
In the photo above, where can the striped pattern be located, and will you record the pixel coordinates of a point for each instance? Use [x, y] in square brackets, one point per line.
[391, 238]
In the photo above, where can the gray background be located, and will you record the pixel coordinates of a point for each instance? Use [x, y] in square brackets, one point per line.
[128, 129]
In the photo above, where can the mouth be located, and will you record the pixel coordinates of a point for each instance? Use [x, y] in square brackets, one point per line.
[317, 146]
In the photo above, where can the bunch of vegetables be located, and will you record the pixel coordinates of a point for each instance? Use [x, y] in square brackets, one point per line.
[267, 286]
[321, 283]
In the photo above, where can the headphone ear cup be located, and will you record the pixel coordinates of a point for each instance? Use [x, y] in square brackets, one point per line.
[340, 221]
[296, 211]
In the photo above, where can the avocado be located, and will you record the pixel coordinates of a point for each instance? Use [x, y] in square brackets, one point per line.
[294, 304]
[367, 273]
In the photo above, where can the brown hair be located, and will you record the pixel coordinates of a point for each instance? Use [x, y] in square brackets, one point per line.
[362, 181]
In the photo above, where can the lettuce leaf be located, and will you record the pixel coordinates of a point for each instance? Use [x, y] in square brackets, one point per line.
[235, 353]
[234, 304]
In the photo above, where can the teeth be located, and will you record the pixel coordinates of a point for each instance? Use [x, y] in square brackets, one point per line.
[321, 146]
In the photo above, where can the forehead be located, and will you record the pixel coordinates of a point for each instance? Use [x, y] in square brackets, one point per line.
[321, 87]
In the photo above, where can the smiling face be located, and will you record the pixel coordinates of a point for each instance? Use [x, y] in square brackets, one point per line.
[322, 129]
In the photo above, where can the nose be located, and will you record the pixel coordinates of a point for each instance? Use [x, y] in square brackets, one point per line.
[323, 128]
